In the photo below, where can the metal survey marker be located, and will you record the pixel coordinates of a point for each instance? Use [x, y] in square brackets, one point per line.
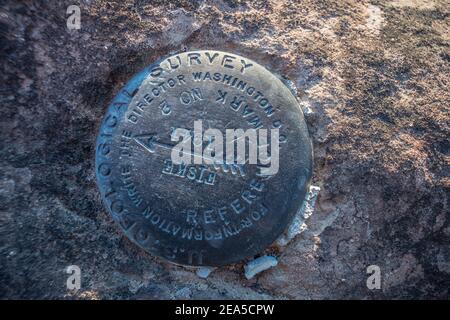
[200, 211]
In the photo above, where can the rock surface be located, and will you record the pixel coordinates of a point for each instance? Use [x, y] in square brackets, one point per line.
[373, 77]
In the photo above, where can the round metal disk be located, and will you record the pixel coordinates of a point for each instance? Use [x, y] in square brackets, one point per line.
[198, 214]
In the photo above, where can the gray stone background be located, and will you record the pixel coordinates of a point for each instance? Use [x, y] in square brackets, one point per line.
[373, 74]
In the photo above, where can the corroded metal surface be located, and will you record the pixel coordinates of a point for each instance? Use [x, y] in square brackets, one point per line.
[198, 214]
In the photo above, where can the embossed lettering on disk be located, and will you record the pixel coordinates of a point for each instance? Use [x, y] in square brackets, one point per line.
[200, 197]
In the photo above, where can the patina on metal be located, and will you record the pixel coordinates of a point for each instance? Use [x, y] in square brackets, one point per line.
[200, 215]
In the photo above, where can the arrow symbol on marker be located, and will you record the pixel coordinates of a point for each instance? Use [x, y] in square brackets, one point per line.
[150, 143]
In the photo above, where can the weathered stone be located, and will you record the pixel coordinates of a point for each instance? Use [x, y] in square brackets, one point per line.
[204, 272]
[374, 75]
[297, 224]
[259, 265]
